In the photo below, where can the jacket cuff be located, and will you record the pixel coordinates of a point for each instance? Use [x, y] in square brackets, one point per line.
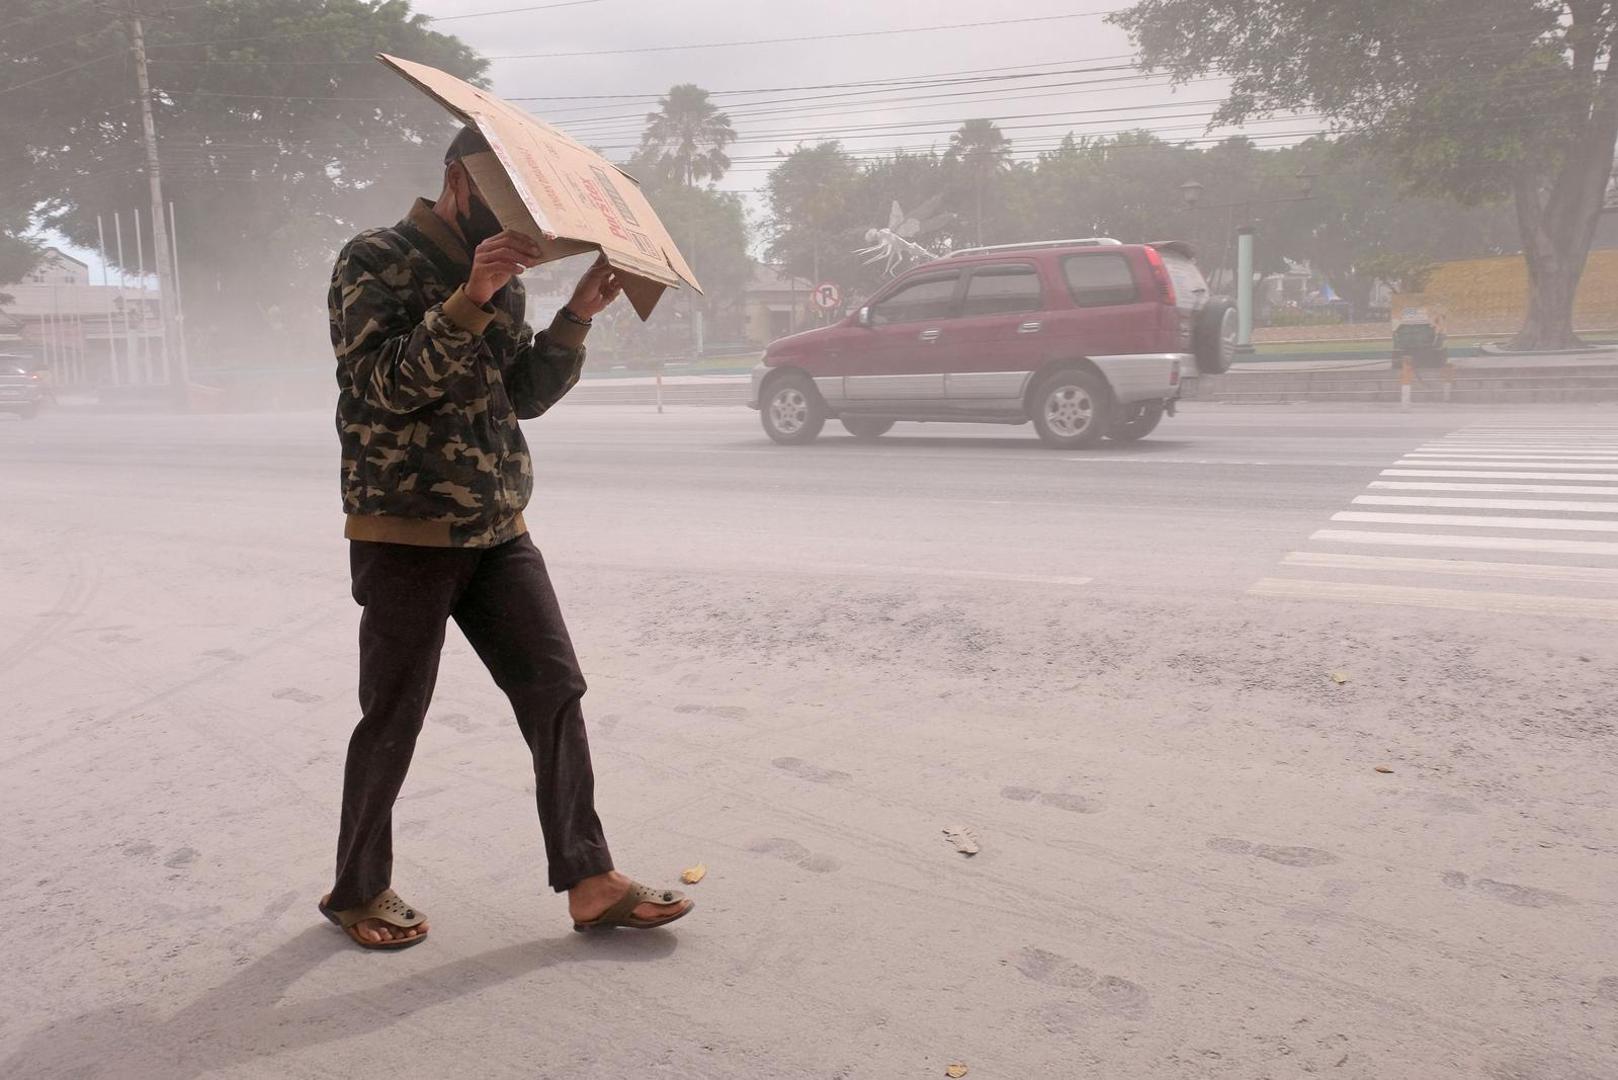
[467, 315]
[566, 333]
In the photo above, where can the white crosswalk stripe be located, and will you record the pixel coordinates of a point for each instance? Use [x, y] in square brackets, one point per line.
[1580, 477]
[1478, 521]
[1513, 463]
[1564, 505]
[1521, 489]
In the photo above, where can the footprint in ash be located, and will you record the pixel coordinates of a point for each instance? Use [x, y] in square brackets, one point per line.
[1089, 992]
[183, 857]
[1285, 855]
[723, 712]
[1060, 800]
[808, 770]
[460, 722]
[791, 851]
[1507, 892]
[292, 693]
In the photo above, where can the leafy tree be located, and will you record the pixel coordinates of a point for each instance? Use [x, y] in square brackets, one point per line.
[1473, 100]
[813, 224]
[687, 136]
[18, 252]
[1357, 229]
[279, 137]
[983, 152]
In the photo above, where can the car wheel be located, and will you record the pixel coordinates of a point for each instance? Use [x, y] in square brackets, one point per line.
[1214, 338]
[1136, 421]
[865, 428]
[1070, 409]
[793, 411]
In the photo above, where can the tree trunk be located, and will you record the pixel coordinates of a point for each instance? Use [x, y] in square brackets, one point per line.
[1552, 287]
[1558, 221]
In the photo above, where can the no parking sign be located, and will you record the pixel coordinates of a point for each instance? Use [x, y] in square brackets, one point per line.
[827, 296]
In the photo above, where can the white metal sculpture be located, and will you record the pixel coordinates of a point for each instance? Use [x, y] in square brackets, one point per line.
[895, 244]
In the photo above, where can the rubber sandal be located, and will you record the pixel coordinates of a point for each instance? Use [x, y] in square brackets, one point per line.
[387, 908]
[623, 912]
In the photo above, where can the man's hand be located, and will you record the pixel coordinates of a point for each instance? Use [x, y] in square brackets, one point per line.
[496, 261]
[599, 287]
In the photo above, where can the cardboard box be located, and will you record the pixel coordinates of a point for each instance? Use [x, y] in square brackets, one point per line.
[557, 191]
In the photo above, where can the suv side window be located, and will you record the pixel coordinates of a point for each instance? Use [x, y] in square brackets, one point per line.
[1100, 280]
[930, 297]
[1002, 290]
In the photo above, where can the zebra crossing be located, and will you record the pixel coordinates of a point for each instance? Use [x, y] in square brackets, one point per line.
[1509, 517]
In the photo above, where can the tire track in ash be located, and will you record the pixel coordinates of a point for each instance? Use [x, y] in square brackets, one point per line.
[81, 588]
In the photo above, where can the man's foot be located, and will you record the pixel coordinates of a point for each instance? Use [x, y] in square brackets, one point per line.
[384, 922]
[592, 897]
[375, 931]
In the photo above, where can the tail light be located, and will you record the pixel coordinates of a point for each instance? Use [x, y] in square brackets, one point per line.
[1174, 374]
[1160, 274]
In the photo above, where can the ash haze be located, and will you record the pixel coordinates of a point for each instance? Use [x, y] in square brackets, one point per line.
[1093, 587]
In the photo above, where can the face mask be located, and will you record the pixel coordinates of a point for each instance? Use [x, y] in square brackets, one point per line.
[478, 224]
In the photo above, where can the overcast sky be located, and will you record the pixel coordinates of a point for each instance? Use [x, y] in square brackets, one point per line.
[640, 48]
[1035, 112]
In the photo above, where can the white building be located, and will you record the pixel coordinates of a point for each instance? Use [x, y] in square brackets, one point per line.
[83, 334]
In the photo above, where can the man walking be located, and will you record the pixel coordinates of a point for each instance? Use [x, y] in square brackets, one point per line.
[435, 366]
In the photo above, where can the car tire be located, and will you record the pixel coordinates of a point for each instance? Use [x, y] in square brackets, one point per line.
[792, 411]
[1070, 409]
[1135, 422]
[866, 428]
[1214, 335]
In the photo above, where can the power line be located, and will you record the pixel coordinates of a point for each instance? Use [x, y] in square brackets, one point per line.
[510, 11]
[327, 30]
[703, 45]
[809, 37]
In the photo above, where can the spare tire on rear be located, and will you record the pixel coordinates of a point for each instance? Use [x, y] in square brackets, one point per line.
[1213, 337]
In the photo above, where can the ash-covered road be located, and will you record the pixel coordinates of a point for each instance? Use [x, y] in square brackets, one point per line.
[1115, 667]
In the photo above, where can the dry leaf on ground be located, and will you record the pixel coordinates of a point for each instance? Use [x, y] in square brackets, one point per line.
[695, 874]
[1339, 678]
[1383, 769]
[955, 1070]
[964, 839]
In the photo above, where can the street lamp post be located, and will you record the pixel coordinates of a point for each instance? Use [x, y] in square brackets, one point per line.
[1191, 192]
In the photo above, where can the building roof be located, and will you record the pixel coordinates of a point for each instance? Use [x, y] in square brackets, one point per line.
[30, 301]
[770, 278]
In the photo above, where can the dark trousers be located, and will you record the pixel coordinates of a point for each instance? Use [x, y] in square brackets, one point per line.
[502, 600]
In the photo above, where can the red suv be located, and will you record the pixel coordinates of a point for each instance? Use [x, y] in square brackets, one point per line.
[1086, 338]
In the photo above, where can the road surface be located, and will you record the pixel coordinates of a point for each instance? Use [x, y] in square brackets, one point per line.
[1288, 737]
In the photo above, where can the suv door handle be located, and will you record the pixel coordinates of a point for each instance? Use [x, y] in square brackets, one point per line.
[1030, 328]
[931, 335]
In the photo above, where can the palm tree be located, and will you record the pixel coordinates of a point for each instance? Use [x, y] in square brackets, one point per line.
[687, 135]
[985, 151]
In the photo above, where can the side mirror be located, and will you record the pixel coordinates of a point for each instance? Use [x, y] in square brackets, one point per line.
[863, 318]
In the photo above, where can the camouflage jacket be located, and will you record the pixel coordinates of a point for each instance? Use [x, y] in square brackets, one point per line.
[431, 387]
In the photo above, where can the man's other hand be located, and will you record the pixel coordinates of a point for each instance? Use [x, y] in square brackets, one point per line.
[496, 261]
[599, 287]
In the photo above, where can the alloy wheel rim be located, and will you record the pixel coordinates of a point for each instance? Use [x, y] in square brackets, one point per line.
[789, 411]
[1069, 411]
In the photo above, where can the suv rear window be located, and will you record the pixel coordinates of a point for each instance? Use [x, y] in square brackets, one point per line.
[1099, 280]
[1000, 290]
[925, 298]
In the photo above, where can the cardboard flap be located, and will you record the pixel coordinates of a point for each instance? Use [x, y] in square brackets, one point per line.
[541, 182]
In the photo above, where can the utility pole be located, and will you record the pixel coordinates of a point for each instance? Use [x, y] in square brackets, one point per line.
[173, 359]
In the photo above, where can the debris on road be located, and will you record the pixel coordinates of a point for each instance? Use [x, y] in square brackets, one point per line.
[956, 1069]
[964, 839]
[1383, 769]
[694, 874]
[1339, 678]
